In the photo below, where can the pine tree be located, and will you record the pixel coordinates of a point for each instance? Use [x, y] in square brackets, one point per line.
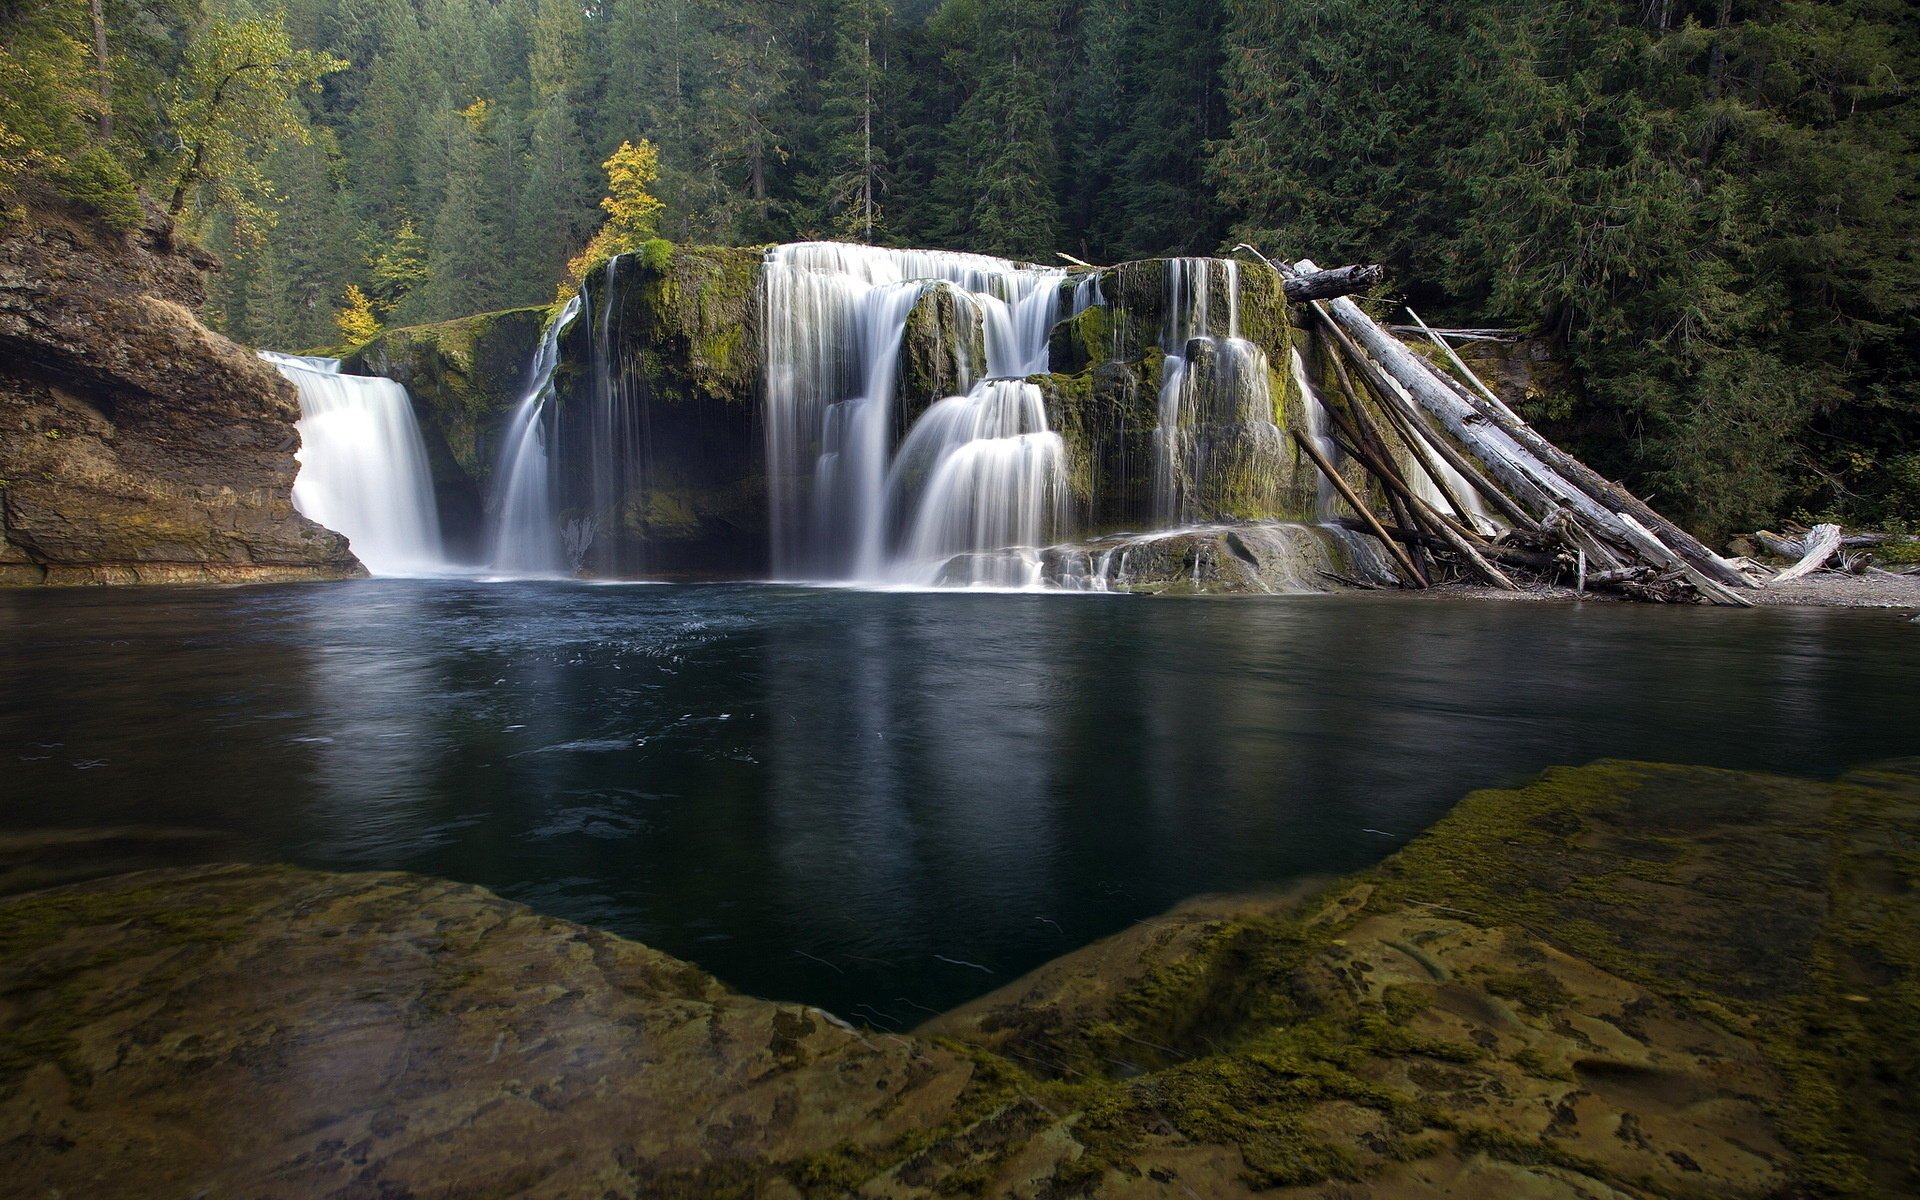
[399, 270]
[463, 259]
[556, 203]
[997, 181]
[852, 176]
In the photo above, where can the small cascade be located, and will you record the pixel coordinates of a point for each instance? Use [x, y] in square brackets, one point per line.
[1216, 447]
[363, 466]
[614, 438]
[985, 482]
[843, 504]
[525, 514]
[1316, 415]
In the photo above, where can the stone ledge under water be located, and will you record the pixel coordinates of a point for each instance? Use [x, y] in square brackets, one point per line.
[1621, 980]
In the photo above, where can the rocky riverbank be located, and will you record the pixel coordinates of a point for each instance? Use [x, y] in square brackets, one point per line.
[1621, 980]
[136, 445]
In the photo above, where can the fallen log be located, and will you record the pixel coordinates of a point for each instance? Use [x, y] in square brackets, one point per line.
[1392, 400]
[1594, 484]
[1822, 544]
[1320, 284]
[1520, 469]
[1794, 547]
[1360, 506]
[1657, 552]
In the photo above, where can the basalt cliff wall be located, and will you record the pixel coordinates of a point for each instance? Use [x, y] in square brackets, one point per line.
[137, 445]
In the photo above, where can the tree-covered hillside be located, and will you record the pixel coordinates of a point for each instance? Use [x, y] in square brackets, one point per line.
[1712, 205]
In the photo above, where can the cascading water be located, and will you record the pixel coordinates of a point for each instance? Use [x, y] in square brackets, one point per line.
[363, 466]
[985, 474]
[1215, 398]
[991, 487]
[526, 528]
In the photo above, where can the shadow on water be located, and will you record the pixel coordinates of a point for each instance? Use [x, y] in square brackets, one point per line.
[883, 803]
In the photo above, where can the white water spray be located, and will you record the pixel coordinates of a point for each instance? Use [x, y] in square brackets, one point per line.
[843, 505]
[526, 530]
[363, 466]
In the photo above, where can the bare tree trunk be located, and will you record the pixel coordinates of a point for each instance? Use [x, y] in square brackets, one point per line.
[103, 67]
[1822, 544]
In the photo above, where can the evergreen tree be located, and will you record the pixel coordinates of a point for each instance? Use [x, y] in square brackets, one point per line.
[850, 156]
[555, 208]
[996, 183]
[463, 259]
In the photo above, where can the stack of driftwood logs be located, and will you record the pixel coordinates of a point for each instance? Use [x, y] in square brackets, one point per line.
[1566, 522]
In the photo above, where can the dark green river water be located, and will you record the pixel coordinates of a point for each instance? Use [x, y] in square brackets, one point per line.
[882, 803]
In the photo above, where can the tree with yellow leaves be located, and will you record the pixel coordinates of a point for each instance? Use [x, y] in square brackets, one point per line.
[633, 213]
[357, 322]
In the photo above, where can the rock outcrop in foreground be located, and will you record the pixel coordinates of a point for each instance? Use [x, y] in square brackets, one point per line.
[1621, 981]
[136, 445]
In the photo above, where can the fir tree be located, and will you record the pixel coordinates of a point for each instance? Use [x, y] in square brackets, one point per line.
[463, 257]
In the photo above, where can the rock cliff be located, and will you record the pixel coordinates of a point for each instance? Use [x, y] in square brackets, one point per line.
[136, 445]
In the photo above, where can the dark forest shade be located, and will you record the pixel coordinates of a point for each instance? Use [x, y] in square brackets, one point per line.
[1710, 206]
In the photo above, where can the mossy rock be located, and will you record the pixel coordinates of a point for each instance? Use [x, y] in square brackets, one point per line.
[942, 351]
[465, 377]
[1566, 988]
[686, 320]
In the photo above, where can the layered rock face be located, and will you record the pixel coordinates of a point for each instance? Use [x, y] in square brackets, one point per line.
[136, 445]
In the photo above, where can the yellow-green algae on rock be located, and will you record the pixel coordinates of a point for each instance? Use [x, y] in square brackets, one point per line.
[1621, 980]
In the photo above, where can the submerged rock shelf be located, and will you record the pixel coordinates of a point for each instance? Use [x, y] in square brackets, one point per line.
[1620, 980]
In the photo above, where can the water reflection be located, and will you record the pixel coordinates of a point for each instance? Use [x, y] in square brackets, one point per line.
[877, 802]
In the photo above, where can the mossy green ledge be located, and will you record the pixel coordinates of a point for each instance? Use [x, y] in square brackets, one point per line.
[1622, 980]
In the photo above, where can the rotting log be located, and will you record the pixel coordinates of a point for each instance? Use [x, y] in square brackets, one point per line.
[1822, 544]
[1334, 281]
[1360, 506]
[1595, 485]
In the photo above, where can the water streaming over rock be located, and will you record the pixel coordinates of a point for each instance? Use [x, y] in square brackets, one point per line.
[525, 510]
[843, 504]
[363, 466]
[1217, 449]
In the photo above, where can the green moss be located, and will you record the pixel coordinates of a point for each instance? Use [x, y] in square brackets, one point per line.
[1535, 991]
[52, 997]
[1083, 340]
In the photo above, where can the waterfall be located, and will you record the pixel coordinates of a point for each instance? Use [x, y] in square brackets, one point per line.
[363, 466]
[1315, 410]
[991, 487]
[526, 528]
[843, 504]
[1215, 415]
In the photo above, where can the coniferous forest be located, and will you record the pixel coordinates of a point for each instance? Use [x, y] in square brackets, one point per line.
[1709, 208]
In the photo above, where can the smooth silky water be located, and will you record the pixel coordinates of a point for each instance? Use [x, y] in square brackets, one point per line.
[883, 803]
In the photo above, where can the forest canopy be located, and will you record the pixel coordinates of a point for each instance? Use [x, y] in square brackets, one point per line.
[1709, 207]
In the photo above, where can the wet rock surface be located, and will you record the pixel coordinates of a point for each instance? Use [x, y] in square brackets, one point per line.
[136, 445]
[1620, 980]
[465, 378]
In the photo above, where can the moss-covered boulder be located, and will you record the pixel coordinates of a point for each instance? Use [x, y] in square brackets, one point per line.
[658, 393]
[943, 350]
[1105, 414]
[466, 377]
